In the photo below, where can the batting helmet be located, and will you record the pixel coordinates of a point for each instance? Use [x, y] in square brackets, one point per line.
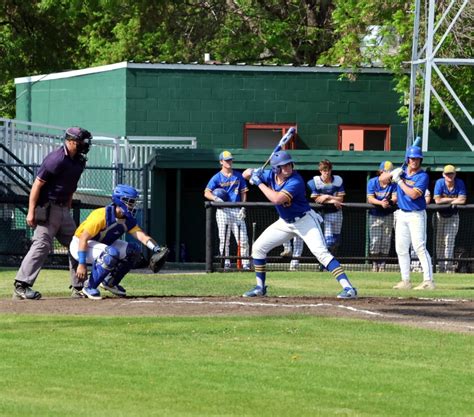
[125, 196]
[221, 193]
[80, 135]
[414, 152]
[279, 159]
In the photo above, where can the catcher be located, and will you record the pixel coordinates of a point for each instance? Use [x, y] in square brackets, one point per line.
[96, 242]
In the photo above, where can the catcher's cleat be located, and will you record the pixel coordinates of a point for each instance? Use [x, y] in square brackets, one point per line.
[114, 289]
[425, 285]
[23, 291]
[348, 293]
[257, 291]
[403, 285]
[92, 293]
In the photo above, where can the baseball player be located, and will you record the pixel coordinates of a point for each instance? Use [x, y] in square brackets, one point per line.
[296, 251]
[96, 243]
[451, 191]
[285, 188]
[229, 185]
[328, 189]
[411, 218]
[383, 195]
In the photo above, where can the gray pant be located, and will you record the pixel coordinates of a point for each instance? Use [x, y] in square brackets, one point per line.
[60, 225]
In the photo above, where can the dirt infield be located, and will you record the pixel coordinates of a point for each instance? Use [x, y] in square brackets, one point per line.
[439, 314]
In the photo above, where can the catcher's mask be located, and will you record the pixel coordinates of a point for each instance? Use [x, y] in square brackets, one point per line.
[81, 136]
[279, 159]
[126, 197]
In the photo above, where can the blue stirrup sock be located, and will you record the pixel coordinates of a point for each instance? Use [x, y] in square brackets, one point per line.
[338, 271]
[260, 266]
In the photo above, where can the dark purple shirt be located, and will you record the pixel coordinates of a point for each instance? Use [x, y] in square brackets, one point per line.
[61, 174]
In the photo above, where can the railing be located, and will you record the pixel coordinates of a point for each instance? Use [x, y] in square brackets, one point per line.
[354, 249]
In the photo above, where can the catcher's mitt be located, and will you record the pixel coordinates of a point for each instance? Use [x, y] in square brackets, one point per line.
[158, 259]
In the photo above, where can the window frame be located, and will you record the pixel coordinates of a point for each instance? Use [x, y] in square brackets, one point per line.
[271, 126]
[386, 128]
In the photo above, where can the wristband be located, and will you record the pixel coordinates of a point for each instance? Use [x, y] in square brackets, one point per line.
[150, 244]
[82, 255]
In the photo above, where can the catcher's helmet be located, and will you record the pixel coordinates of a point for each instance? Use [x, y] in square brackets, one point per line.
[80, 135]
[413, 152]
[221, 193]
[279, 159]
[125, 196]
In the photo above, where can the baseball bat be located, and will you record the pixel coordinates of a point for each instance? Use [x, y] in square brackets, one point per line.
[239, 259]
[283, 141]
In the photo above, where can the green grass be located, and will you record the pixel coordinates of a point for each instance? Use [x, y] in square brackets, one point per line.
[293, 365]
[55, 283]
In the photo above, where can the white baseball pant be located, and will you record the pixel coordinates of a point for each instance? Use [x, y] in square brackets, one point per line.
[411, 228]
[307, 228]
[228, 217]
[446, 231]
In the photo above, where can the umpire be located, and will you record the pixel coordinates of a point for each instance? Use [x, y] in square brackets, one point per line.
[49, 208]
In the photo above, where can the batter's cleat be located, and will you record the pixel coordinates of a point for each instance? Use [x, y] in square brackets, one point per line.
[257, 291]
[23, 291]
[425, 285]
[92, 293]
[403, 285]
[347, 293]
[114, 289]
[286, 253]
[77, 293]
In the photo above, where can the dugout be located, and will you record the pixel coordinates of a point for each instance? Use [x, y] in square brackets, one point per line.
[178, 179]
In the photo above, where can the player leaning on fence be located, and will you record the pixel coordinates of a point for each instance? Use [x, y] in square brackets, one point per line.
[285, 188]
[451, 192]
[411, 218]
[382, 193]
[328, 189]
[229, 185]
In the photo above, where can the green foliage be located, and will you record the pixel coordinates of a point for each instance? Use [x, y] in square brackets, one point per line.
[43, 36]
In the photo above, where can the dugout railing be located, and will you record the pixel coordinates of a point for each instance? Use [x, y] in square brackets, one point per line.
[354, 248]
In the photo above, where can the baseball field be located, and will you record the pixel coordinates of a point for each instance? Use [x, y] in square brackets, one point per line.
[189, 345]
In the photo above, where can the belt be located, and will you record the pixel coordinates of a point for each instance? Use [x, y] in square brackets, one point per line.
[59, 203]
[295, 219]
[411, 211]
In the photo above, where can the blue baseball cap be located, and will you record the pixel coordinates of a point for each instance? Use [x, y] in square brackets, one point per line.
[225, 156]
[386, 166]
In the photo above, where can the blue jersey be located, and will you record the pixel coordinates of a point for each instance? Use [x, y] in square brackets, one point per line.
[379, 192]
[442, 190]
[233, 185]
[419, 182]
[294, 189]
[318, 187]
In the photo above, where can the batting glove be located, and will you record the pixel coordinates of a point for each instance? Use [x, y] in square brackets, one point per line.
[397, 174]
[256, 178]
[242, 214]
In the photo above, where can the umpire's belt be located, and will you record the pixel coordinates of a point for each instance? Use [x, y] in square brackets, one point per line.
[294, 219]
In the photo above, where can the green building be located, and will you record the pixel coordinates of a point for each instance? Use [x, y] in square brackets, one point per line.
[243, 108]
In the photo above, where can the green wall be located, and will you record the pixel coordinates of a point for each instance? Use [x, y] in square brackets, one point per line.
[94, 101]
[212, 103]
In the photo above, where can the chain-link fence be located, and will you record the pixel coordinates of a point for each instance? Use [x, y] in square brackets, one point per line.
[362, 245]
[94, 190]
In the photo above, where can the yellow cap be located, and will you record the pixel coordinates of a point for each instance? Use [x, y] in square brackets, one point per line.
[449, 169]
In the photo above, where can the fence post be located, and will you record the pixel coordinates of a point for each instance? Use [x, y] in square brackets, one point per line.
[209, 245]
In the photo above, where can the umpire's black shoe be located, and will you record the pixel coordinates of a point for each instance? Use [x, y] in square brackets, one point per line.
[23, 291]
